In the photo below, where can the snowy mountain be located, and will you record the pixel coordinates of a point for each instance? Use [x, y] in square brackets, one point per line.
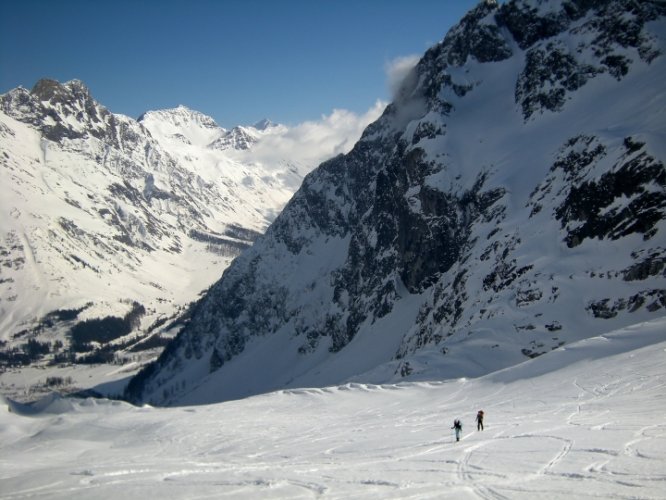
[510, 201]
[112, 226]
[226, 156]
[181, 125]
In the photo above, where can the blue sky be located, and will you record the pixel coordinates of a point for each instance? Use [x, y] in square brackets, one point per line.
[235, 60]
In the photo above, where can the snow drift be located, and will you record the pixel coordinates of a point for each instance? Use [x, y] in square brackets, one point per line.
[579, 421]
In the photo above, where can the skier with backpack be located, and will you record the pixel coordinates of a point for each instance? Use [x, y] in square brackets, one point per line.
[457, 425]
[479, 420]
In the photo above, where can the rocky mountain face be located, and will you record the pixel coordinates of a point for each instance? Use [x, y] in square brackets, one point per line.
[510, 201]
[112, 226]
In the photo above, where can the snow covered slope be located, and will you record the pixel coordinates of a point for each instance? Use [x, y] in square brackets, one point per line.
[110, 226]
[228, 157]
[510, 201]
[580, 422]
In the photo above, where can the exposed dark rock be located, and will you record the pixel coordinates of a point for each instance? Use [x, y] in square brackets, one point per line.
[650, 265]
[590, 204]
[527, 26]
[473, 37]
[552, 70]
[651, 300]
[550, 74]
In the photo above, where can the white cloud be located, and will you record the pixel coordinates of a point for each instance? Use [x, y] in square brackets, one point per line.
[311, 142]
[308, 144]
[396, 71]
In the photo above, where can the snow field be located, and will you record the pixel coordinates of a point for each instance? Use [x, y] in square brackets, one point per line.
[585, 421]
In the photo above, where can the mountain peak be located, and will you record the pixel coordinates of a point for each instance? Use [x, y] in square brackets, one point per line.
[117, 212]
[181, 115]
[264, 124]
[496, 211]
[239, 138]
[58, 110]
[53, 91]
[182, 124]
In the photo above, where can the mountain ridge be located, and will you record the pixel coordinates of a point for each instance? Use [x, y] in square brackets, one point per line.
[110, 227]
[498, 209]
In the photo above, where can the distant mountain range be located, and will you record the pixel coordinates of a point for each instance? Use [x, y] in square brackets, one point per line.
[510, 201]
[111, 226]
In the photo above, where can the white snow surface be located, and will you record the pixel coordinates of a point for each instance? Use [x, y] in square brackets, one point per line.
[585, 421]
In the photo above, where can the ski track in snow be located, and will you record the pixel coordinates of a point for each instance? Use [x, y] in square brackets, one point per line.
[592, 429]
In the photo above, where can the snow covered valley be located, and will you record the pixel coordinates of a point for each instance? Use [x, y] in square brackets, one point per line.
[583, 421]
